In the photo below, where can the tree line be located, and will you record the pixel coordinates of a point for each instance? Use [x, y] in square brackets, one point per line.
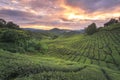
[10, 25]
[92, 28]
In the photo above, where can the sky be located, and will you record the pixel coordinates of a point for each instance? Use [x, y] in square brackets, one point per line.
[63, 14]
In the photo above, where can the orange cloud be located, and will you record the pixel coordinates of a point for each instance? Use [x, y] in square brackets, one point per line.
[73, 13]
[38, 27]
[70, 12]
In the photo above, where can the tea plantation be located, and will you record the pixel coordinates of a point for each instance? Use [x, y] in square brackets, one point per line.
[76, 57]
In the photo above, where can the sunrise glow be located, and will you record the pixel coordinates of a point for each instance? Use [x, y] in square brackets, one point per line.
[66, 14]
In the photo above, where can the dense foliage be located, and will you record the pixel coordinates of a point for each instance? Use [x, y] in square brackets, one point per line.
[91, 29]
[19, 41]
[14, 36]
[14, 39]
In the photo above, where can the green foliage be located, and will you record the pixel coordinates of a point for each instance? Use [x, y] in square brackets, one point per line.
[91, 29]
[100, 28]
[34, 45]
[55, 37]
[19, 41]
[12, 47]
[14, 36]
[115, 26]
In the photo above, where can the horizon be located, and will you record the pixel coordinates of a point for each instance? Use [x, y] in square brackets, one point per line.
[62, 14]
[51, 28]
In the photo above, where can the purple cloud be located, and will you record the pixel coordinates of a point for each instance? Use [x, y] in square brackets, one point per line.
[94, 5]
[50, 12]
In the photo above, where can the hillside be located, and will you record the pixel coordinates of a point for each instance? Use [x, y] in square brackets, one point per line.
[100, 49]
[53, 31]
[77, 57]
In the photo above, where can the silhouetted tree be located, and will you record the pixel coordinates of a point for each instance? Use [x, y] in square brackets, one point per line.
[2, 23]
[112, 21]
[119, 19]
[11, 25]
[91, 29]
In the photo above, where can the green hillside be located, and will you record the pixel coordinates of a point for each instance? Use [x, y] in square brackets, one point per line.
[101, 49]
[75, 57]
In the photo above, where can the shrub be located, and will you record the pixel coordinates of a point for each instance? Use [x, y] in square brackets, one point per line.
[34, 45]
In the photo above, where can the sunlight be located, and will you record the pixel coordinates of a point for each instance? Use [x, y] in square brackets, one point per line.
[38, 27]
[76, 14]
[45, 27]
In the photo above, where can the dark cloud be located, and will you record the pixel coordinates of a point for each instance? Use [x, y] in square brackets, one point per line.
[20, 17]
[16, 13]
[94, 5]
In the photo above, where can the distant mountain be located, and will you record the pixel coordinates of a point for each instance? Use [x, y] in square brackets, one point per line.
[59, 31]
[56, 31]
[34, 30]
[80, 31]
[71, 33]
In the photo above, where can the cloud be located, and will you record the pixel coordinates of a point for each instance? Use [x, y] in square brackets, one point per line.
[71, 14]
[20, 17]
[94, 5]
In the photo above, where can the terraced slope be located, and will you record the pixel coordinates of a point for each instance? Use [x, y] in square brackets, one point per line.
[102, 49]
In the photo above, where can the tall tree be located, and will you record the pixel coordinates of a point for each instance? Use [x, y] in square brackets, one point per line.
[91, 29]
[12, 25]
[2, 23]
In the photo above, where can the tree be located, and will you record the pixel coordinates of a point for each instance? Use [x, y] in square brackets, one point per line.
[91, 29]
[12, 25]
[112, 21]
[14, 36]
[119, 19]
[2, 23]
